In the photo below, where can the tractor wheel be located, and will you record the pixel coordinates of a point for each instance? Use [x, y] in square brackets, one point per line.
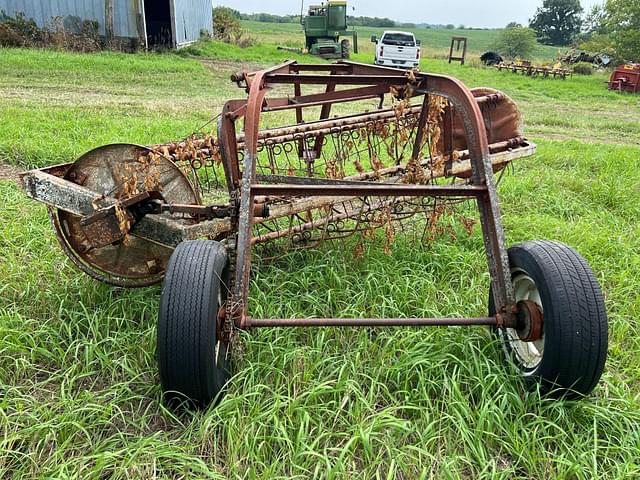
[345, 49]
[193, 360]
[561, 339]
[309, 43]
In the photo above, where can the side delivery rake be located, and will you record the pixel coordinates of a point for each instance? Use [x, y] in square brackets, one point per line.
[386, 147]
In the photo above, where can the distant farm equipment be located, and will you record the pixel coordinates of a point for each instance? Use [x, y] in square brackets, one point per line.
[626, 78]
[527, 68]
[491, 58]
[576, 56]
[323, 27]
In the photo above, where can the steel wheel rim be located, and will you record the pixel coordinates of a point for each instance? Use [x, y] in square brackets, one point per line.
[527, 354]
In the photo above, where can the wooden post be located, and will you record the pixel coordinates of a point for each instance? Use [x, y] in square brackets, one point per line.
[458, 41]
[108, 21]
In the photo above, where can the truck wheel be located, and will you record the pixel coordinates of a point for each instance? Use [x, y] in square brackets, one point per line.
[345, 48]
[194, 362]
[564, 349]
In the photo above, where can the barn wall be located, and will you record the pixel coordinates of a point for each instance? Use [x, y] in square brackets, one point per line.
[125, 17]
[191, 17]
[73, 12]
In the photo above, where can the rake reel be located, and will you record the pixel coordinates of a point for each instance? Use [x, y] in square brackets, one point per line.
[382, 148]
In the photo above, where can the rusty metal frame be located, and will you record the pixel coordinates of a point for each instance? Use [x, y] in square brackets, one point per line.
[250, 200]
[365, 82]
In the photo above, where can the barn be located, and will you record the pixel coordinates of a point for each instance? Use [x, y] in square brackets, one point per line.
[146, 23]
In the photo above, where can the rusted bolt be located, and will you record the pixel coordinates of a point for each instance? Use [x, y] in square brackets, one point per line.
[152, 267]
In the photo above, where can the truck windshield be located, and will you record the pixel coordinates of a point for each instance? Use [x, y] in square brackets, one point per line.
[398, 39]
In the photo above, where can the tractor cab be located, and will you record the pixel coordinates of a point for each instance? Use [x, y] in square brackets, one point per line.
[323, 27]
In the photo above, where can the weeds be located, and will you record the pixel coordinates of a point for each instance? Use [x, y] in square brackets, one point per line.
[583, 68]
[227, 28]
[79, 394]
[20, 31]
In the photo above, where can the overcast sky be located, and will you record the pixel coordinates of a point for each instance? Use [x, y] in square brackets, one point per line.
[475, 13]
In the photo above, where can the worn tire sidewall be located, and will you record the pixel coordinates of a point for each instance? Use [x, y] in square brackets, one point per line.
[217, 368]
[522, 258]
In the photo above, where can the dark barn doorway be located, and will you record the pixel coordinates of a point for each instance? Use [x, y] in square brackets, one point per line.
[158, 22]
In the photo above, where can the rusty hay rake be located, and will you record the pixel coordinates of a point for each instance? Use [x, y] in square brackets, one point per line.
[385, 146]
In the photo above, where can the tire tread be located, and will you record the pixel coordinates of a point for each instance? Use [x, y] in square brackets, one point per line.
[576, 327]
[186, 322]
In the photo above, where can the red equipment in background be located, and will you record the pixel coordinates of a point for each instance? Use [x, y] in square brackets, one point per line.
[626, 78]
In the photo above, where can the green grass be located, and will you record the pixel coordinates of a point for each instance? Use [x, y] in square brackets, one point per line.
[79, 394]
[435, 42]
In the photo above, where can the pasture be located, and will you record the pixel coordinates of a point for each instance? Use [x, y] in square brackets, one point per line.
[79, 393]
[435, 42]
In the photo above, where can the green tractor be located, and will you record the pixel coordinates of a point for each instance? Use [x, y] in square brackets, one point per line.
[323, 27]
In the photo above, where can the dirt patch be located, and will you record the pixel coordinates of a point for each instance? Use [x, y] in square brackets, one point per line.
[9, 172]
[231, 66]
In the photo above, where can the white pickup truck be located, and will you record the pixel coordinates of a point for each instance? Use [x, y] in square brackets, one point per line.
[397, 49]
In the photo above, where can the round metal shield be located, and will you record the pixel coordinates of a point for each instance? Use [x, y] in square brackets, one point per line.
[120, 171]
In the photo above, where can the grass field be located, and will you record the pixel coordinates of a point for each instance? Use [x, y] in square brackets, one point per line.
[435, 42]
[79, 394]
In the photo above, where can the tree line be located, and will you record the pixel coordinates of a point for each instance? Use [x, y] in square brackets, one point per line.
[611, 28]
[381, 22]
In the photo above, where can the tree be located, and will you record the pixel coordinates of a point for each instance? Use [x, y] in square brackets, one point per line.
[517, 42]
[594, 20]
[513, 25]
[557, 21]
[231, 12]
[226, 24]
[622, 23]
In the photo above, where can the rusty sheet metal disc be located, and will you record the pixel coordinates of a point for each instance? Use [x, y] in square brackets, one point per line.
[502, 120]
[113, 171]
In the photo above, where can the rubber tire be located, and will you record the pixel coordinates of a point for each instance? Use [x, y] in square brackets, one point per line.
[190, 369]
[575, 320]
[345, 49]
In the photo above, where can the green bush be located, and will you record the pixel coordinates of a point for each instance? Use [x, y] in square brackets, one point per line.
[583, 68]
[516, 42]
[226, 27]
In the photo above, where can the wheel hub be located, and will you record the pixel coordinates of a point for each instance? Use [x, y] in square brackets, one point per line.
[529, 320]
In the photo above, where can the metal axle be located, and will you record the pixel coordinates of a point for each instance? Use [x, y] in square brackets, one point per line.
[370, 322]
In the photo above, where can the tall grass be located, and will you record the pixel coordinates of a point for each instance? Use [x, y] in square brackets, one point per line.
[79, 395]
